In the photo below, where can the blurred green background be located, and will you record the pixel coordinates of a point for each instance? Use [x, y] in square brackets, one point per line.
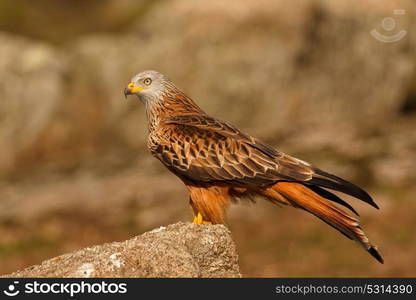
[306, 77]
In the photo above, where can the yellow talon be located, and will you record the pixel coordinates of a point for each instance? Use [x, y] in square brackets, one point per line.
[198, 220]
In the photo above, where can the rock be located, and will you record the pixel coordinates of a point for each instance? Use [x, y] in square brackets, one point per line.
[31, 92]
[179, 250]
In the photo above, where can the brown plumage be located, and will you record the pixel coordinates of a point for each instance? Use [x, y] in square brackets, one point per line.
[217, 162]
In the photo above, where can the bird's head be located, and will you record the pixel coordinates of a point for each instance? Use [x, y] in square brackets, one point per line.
[156, 90]
[147, 85]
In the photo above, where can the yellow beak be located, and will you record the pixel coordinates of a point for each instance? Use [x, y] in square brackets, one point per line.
[132, 89]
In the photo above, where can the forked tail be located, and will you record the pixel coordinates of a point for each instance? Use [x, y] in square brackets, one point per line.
[299, 195]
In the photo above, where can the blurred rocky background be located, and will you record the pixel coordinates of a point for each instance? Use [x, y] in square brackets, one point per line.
[305, 76]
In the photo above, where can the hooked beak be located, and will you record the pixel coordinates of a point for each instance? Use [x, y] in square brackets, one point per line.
[132, 89]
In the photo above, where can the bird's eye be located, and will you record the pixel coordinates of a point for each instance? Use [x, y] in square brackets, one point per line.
[147, 81]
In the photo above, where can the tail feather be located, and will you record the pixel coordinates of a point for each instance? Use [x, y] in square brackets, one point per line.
[330, 181]
[330, 196]
[303, 197]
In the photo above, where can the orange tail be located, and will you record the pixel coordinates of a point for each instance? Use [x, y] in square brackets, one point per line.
[300, 196]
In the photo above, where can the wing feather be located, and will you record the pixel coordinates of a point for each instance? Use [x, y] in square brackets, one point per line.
[201, 148]
[204, 149]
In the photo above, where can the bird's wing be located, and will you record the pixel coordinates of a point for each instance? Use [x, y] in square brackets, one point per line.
[204, 149]
[201, 148]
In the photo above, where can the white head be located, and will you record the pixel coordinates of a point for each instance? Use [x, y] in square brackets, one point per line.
[148, 86]
[159, 95]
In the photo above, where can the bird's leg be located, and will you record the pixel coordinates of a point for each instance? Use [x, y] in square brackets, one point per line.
[198, 220]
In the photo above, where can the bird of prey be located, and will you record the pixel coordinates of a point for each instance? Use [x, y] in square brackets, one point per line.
[219, 163]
